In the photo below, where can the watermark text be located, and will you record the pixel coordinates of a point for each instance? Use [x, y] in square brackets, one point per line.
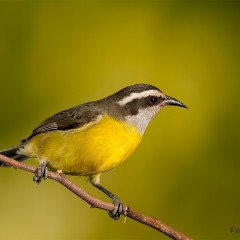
[235, 229]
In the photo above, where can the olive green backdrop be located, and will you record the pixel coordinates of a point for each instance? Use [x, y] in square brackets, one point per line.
[54, 55]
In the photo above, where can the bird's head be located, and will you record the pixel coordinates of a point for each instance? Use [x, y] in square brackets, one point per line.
[138, 104]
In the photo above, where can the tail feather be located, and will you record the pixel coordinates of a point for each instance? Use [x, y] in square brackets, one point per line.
[12, 153]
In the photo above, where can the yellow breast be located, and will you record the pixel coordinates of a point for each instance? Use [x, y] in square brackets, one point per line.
[91, 149]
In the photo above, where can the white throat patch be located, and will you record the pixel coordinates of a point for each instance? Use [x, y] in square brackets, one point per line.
[143, 117]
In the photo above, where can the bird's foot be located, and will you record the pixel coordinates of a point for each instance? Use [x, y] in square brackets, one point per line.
[42, 172]
[119, 208]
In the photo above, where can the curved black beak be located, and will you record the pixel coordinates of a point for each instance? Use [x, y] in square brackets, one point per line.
[173, 102]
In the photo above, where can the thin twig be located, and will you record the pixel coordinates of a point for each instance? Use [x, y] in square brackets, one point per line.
[96, 203]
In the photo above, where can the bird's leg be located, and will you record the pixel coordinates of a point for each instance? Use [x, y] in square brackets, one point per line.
[119, 208]
[42, 172]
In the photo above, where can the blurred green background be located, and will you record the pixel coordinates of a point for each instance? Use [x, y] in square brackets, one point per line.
[54, 55]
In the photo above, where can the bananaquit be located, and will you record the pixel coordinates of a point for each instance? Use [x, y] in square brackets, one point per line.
[94, 137]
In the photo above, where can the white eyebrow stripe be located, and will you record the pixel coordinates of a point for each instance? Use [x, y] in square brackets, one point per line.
[139, 95]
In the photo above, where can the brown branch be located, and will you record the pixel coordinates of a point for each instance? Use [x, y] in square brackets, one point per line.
[96, 203]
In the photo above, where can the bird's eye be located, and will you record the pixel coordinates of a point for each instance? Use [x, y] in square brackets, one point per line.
[153, 99]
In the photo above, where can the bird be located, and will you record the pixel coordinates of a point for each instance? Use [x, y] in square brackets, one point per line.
[92, 138]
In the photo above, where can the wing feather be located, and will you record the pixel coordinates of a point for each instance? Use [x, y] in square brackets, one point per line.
[69, 119]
